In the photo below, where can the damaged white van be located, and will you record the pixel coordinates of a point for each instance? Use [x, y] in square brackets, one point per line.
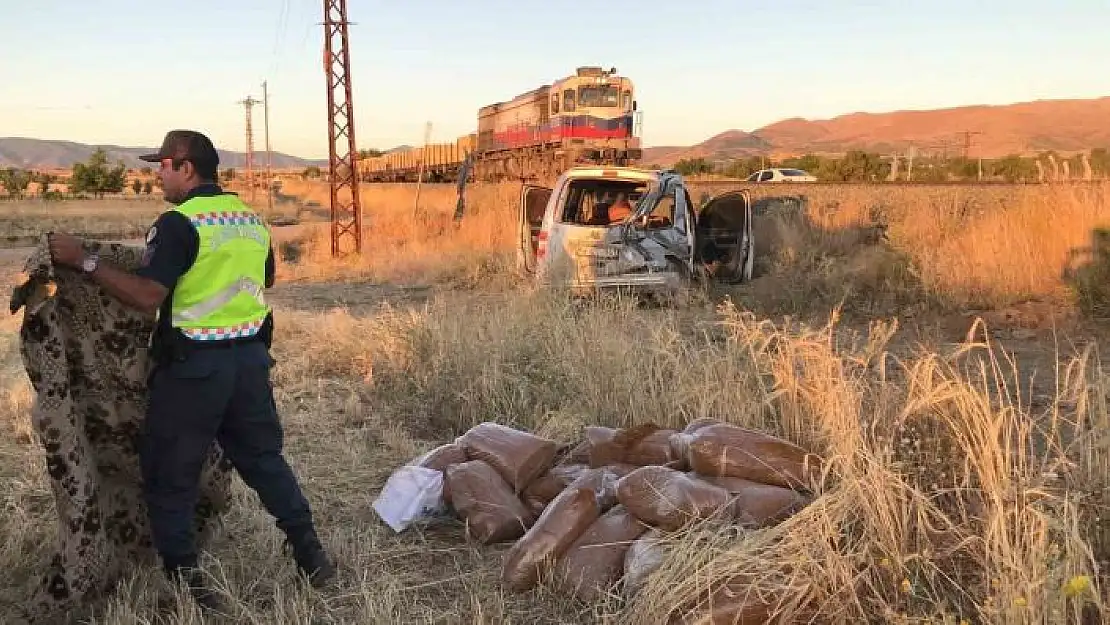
[603, 228]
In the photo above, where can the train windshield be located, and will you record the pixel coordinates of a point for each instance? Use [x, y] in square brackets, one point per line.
[599, 95]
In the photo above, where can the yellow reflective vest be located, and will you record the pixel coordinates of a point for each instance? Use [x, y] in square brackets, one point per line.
[221, 296]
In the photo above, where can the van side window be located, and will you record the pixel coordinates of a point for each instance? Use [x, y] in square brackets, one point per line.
[689, 200]
[662, 215]
[686, 209]
[569, 198]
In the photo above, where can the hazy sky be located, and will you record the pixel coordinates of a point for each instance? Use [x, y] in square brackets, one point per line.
[124, 71]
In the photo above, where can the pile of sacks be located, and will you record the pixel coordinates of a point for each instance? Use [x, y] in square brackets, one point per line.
[589, 515]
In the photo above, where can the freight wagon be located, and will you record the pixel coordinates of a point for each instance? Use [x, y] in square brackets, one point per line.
[587, 118]
[441, 162]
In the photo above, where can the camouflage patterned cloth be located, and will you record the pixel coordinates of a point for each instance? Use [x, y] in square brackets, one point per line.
[86, 356]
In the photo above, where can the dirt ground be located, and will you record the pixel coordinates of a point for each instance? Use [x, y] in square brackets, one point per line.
[434, 576]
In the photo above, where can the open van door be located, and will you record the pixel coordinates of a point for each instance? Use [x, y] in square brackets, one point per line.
[533, 204]
[685, 221]
[724, 237]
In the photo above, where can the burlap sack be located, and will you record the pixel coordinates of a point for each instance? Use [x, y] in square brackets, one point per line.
[757, 505]
[442, 457]
[727, 450]
[699, 423]
[492, 512]
[739, 603]
[620, 469]
[727, 607]
[642, 445]
[439, 459]
[518, 456]
[544, 489]
[680, 441]
[669, 499]
[644, 556]
[603, 482]
[561, 524]
[579, 454]
[595, 561]
[597, 443]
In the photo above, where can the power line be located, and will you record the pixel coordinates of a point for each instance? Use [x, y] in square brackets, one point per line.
[423, 161]
[279, 35]
[269, 161]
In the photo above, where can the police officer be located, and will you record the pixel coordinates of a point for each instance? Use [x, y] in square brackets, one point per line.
[206, 264]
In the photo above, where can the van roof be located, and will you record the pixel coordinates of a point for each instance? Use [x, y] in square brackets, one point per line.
[630, 173]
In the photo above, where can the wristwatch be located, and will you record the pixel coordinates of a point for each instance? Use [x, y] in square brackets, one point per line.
[88, 265]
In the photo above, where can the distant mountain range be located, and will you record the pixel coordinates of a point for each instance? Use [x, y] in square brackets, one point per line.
[995, 131]
[53, 154]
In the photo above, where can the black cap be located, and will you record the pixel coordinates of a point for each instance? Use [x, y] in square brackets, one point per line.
[187, 145]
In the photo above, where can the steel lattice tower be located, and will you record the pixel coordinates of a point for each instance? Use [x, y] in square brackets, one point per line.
[248, 102]
[346, 209]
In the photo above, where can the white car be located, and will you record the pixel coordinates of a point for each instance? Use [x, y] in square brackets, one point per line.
[778, 174]
[658, 242]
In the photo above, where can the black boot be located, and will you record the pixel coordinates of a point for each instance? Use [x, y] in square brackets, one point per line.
[204, 596]
[312, 561]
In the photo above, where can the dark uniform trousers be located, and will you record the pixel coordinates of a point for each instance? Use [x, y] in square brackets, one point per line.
[220, 393]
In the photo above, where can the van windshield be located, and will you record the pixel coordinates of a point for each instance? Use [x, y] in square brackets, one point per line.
[594, 202]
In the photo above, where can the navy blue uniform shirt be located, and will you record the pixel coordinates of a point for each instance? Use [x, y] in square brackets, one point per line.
[171, 252]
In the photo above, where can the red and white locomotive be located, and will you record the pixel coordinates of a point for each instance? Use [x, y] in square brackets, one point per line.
[589, 117]
[584, 118]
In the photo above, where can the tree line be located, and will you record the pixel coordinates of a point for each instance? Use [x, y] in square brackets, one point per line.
[864, 166]
[94, 177]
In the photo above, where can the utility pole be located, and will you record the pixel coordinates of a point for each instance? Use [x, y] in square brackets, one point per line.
[967, 148]
[893, 175]
[248, 103]
[269, 160]
[423, 160]
[346, 215]
[967, 141]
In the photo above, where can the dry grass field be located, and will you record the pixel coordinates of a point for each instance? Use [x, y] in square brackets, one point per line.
[950, 374]
[23, 221]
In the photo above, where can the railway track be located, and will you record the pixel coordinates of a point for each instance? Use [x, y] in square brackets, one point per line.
[892, 184]
[735, 184]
